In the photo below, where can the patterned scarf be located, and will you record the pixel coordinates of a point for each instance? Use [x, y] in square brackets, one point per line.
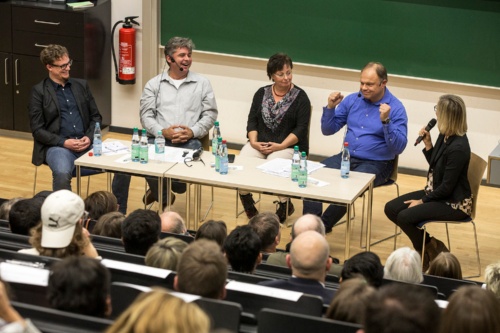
[272, 112]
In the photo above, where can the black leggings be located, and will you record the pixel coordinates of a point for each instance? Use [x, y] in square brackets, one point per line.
[408, 218]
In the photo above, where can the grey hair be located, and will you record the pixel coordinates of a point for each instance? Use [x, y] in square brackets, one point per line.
[404, 265]
[177, 42]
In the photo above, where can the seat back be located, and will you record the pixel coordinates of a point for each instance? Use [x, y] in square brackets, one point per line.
[205, 142]
[477, 166]
[223, 314]
[394, 174]
[56, 321]
[445, 285]
[276, 321]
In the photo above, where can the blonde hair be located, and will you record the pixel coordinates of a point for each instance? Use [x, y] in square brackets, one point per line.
[492, 278]
[75, 248]
[159, 311]
[165, 253]
[451, 115]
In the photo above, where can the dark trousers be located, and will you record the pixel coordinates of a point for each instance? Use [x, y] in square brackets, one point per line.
[333, 213]
[121, 182]
[408, 218]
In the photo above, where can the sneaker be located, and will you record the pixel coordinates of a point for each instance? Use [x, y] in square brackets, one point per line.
[435, 247]
[249, 205]
[281, 209]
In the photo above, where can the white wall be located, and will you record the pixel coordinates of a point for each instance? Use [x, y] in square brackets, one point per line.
[235, 80]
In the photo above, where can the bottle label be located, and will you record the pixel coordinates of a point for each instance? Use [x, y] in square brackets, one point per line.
[302, 178]
[144, 154]
[345, 166]
[295, 172]
[135, 152]
[160, 147]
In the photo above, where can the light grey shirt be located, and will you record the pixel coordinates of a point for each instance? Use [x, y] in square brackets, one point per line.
[192, 104]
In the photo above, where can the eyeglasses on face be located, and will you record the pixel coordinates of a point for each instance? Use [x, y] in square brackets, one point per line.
[282, 75]
[64, 66]
[435, 108]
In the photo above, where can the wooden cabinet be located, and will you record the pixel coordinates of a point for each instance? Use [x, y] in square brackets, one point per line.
[33, 25]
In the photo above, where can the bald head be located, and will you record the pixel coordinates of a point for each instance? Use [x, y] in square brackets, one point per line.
[308, 222]
[309, 256]
[173, 223]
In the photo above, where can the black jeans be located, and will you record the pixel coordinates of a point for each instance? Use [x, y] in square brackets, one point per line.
[408, 218]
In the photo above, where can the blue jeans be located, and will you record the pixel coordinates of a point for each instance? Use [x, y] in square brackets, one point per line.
[121, 182]
[333, 213]
[62, 163]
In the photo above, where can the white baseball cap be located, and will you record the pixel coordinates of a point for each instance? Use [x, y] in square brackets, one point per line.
[60, 212]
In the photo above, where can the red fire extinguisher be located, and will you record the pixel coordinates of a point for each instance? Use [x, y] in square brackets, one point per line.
[126, 44]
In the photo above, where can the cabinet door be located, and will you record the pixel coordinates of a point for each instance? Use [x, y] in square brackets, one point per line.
[6, 100]
[28, 71]
[5, 28]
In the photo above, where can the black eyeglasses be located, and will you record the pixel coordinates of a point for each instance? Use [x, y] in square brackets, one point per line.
[64, 66]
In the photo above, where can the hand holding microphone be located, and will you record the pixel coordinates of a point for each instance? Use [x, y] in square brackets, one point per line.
[429, 126]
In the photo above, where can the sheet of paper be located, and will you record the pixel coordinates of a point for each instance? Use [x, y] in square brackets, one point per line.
[142, 269]
[264, 291]
[24, 274]
[114, 148]
[282, 167]
[188, 298]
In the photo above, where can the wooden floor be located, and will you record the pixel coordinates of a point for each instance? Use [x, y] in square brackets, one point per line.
[17, 175]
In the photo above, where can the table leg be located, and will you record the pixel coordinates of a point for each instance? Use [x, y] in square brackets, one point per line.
[78, 181]
[108, 175]
[160, 195]
[369, 218]
[188, 205]
[197, 201]
[348, 233]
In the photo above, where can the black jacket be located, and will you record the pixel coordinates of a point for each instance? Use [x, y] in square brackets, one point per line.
[44, 113]
[450, 163]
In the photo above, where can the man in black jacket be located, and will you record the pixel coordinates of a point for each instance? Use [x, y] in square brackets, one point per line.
[62, 114]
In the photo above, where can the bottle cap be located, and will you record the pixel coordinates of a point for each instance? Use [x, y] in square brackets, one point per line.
[223, 141]
[91, 153]
[216, 123]
[346, 144]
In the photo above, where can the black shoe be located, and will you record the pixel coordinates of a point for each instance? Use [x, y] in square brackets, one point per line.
[249, 205]
[149, 198]
[281, 209]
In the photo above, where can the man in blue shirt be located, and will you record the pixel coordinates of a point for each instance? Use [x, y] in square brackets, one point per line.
[377, 128]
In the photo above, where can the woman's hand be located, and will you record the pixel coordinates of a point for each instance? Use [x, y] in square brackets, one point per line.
[427, 140]
[271, 147]
[413, 203]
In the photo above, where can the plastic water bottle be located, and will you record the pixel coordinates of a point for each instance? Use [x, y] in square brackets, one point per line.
[97, 140]
[218, 153]
[302, 177]
[295, 164]
[143, 151]
[224, 167]
[135, 145]
[345, 164]
[159, 143]
[215, 137]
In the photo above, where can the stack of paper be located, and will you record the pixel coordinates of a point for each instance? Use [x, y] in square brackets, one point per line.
[80, 5]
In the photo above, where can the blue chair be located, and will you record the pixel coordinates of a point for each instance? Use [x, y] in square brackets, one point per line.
[477, 166]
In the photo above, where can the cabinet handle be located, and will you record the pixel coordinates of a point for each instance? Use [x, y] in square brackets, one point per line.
[15, 68]
[40, 45]
[6, 72]
[49, 23]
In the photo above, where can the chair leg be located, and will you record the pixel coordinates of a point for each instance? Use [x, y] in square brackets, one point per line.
[477, 254]
[34, 182]
[210, 206]
[448, 237]
[423, 246]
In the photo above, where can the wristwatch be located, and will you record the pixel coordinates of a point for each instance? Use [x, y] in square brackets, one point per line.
[387, 121]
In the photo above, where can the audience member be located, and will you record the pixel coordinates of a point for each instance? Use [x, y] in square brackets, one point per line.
[404, 265]
[109, 225]
[351, 300]
[213, 230]
[309, 260]
[398, 308]
[303, 223]
[173, 223]
[5, 208]
[202, 270]
[242, 249]
[140, 230]
[492, 278]
[10, 320]
[24, 215]
[368, 265]
[446, 265]
[268, 228]
[166, 253]
[80, 285]
[471, 310]
[61, 234]
[159, 311]
[99, 203]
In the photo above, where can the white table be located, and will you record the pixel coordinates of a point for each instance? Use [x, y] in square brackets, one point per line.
[339, 190]
[108, 163]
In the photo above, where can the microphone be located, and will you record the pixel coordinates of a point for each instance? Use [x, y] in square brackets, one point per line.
[359, 94]
[197, 153]
[429, 126]
[180, 68]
